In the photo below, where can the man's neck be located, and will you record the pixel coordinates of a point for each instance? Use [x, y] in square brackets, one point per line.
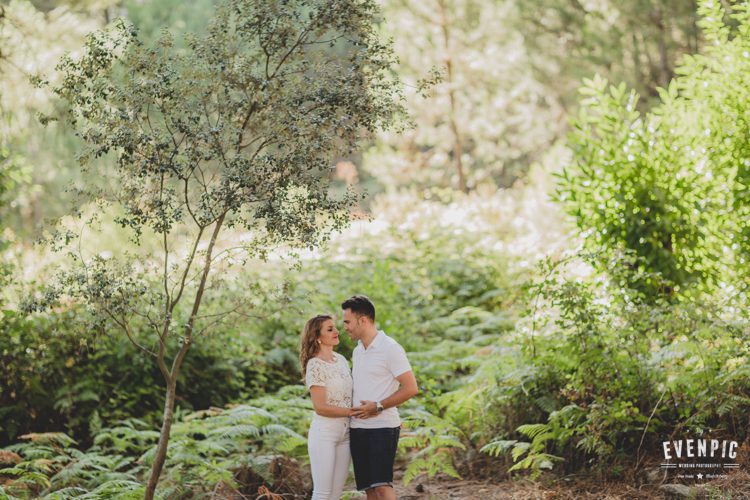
[369, 336]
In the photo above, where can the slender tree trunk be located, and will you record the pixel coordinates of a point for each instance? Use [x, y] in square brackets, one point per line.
[665, 66]
[637, 72]
[161, 448]
[457, 146]
[171, 376]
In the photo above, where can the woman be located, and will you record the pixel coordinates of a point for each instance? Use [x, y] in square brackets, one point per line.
[329, 379]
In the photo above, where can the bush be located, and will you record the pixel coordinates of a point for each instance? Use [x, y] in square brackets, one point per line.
[670, 187]
[604, 379]
[56, 377]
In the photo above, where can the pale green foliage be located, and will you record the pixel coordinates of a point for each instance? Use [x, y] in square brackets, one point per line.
[8, 174]
[668, 188]
[635, 183]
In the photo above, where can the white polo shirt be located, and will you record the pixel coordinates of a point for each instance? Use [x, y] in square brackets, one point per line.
[374, 373]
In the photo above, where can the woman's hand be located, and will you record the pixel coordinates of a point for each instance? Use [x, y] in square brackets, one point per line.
[367, 409]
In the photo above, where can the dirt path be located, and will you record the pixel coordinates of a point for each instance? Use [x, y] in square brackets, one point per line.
[451, 489]
[446, 488]
[737, 486]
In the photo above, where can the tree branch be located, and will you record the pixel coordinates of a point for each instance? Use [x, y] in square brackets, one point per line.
[126, 329]
[187, 338]
[185, 273]
[301, 37]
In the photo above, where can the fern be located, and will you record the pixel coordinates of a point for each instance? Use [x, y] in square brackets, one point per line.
[65, 493]
[293, 445]
[435, 439]
[123, 490]
[535, 459]
[58, 440]
[278, 429]
[26, 478]
[235, 431]
[431, 464]
[533, 430]
[536, 462]
[126, 438]
[519, 449]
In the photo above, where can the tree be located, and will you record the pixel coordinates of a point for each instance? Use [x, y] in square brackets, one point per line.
[486, 119]
[150, 17]
[639, 42]
[7, 170]
[32, 41]
[669, 187]
[238, 130]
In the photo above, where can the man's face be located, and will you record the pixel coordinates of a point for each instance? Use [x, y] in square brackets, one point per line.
[351, 324]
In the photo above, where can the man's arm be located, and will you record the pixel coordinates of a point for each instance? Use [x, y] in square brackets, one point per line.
[407, 390]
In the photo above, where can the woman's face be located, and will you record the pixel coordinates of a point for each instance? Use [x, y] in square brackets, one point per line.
[328, 334]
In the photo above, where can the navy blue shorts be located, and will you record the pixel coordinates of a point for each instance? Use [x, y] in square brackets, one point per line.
[373, 452]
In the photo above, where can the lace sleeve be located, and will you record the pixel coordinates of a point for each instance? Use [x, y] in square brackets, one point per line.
[315, 374]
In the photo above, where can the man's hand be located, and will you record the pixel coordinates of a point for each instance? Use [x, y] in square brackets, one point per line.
[366, 409]
[408, 389]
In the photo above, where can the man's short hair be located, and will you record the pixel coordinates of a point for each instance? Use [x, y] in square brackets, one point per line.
[360, 304]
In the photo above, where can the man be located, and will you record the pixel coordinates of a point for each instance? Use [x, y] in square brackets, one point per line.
[383, 379]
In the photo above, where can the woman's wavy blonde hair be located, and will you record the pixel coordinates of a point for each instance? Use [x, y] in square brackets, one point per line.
[308, 341]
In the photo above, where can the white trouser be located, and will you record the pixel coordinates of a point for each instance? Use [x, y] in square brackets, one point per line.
[328, 446]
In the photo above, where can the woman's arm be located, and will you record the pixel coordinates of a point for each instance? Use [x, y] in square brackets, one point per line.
[318, 395]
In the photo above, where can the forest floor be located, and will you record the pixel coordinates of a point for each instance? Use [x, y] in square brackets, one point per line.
[735, 486]
[490, 483]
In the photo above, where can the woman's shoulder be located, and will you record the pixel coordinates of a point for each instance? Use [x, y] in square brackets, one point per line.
[340, 357]
[313, 361]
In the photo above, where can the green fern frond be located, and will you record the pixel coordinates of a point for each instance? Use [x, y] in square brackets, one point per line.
[291, 443]
[522, 464]
[210, 447]
[235, 431]
[447, 441]
[410, 442]
[122, 490]
[498, 447]
[431, 465]
[276, 429]
[50, 438]
[532, 430]
[519, 449]
[547, 403]
[12, 471]
[63, 494]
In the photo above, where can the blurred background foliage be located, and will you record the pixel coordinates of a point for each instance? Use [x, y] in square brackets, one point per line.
[559, 241]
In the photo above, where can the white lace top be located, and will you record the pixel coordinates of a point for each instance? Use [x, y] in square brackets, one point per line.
[335, 377]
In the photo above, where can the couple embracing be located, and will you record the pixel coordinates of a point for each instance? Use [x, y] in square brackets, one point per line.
[355, 412]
